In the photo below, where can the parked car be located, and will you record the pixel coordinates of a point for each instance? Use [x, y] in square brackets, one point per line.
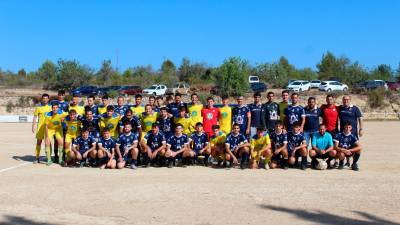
[315, 83]
[181, 88]
[258, 87]
[291, 81]
[332, 85]
[85, 90]
[156, 89]
[372, 84]
[299, 85]
[393, 86]
[254, 79]
[130, 90]
[105, 90]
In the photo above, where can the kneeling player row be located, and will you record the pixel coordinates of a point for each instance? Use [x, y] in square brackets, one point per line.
[278, 149]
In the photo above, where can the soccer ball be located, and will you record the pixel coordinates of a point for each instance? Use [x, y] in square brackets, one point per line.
[322, 165]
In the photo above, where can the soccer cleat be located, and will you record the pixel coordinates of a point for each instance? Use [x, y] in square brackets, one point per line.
[49, 162]
[335, 165]
[266, 167]
[170, 164]
[36, 161]
[242, 166]
[303, 166]
[133, 166]
[341, 166]
[81, 164]
[347, 164]
[355, 167]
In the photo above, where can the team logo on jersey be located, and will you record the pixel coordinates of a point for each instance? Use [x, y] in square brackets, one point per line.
[273, 115]
[210, 116]
[293, 118]
[148, 123]
[194, 113]
[110, 126]
[73, 128]
[239, 120]
[224, 114]
[56, 123]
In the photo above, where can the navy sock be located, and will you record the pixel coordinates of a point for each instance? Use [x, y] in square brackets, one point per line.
[304, 160]
[134, 162]
[356, 157]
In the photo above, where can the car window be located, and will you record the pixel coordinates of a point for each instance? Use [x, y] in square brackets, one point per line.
[296, 83]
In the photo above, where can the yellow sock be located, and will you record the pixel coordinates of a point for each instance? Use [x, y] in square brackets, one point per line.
[267, 160]
[48, 153]
[37, 151]
[60, 152]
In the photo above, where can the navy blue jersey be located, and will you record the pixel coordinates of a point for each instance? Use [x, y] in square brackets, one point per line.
[278, 140]
[61, 105]
[234, 141]
[349, 114]
[312, 119]
[199, 141]
[294, 140]
[269, 115]
[91, 125]
[121, 110]
[346, 141]
[173, 108]
[239, 116]
[177, 143]
[94, 108]
[84, 144]
[134, 122]
[154, 141]
[255, 114]
[156, 109]
[294, 114]
[165, 125]
[126, 141]
[108, 144]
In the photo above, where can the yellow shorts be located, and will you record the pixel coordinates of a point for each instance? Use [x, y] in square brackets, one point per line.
[69, 138]
[55, 133]
[255, 155]
[40, 132]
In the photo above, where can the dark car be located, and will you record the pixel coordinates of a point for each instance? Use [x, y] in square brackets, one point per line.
[393, 86]
[258, 87]
[372, 84]
[85, 90]
[130, 90]
[105, 90]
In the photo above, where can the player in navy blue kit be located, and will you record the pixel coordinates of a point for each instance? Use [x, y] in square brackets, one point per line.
[154, 143]
[347, 145]
[237, 146]
[349, 113]
[297, 146]
[106, 150]
[133, 120]
[313, 116]
[173, 108]
[176, 145]
[270, 113]
[127, 147]
[294, 113]
[83, 147]
[164, 121]
[199, 144]
[91, 123]
[120, 108]
[255, 110]
[241, 115]
[279, 147]
[91, 105]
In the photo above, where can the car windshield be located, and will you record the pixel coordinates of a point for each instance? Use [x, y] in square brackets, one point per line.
[315, 81]
[253, 78]
[296, 83]
[323, 83]
[152, 87]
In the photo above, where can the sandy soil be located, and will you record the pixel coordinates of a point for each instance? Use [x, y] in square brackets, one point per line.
[38, 194]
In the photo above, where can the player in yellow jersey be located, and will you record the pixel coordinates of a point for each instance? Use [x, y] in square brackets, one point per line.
[73, 126]
[105, 103]
[185, 121]
[195, 109]
[138, 108]
[225, 119]
[53, 124]
[110, 120]
[217, 144]
[39, 127]
[147, 119]
[283, 105]
[260, 145]
[80, 110]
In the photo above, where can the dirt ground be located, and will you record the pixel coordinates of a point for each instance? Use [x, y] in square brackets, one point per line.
[38, 194]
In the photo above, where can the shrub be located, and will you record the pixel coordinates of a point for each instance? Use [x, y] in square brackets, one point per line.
[376, 98]
[10, 106]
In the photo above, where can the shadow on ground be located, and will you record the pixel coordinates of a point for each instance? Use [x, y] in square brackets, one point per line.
[26, 158]
[14, 220]
[321, 217]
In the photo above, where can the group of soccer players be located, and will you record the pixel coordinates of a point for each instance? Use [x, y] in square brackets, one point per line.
[169, 132]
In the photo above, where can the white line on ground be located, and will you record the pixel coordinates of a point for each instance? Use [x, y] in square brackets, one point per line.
[14, 167]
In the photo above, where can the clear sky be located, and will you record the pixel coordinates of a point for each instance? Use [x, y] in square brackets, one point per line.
[146, 32]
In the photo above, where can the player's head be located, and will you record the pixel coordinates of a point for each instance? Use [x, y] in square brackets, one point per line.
[75, 99]
[311, 102]
[178, 97]
[120, 101]
[278, 126]
[164, 111]
[257, 97]
[347, 127]
[296, 127]
[89, 114]
[45, 98]
[346, 100]
[106, 133]
[85, 133]
[260, 131]
[169, 98]
[295, 98]
[270, 96]
[225, 100]
[138, 99]
[110, 110]
[160, 100]
[129, 113]
[61, 95]
[127, 127]
[90, 100]
[105, 100]
[240, 99]
[182, 111]
[210, 102]
[322, 129]
[236, 128]
[178, 129]
[330, 99]
[148, 109]
[199, 127]
[285, 95]
[154, 128]
[152, 100]
[54, 107]
[72, 114]
[195, 98]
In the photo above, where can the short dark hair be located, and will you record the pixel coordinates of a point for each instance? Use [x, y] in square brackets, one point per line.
[76, 95]
[45, 95]
[164, 108]
[110, 108]
[347, 123]
[182, 108]
[295, 93]
[159, 97]
[285, 91]
[72, 111]
[106, 129]
[85, 129]
[210, 98]
[215, 127]
[54, 103]
[278, 123]
[129, 110]
[257, 94]
[199, 124]
[225, 97]
[311, 98]
[105, 96]
[178, 94]
[297, 124]
[260, 128]
[61, 92]
[154, 125]
[152, 96]
[138, 96]
[178, 125]
[270, 93]
[194, 94]
[330, 96]
[236, 125]
[91, 96]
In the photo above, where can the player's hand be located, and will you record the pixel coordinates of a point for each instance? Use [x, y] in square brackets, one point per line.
[120, 159]
[247, 131]
[173, 154]
[33, 129]
[235, 161]
[276, 152]
[323, 152]
[85, 155]
[361, 132]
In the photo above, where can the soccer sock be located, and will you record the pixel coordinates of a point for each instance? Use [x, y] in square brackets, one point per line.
[206, 156]
[134, 162]
[304, 160]
[37, 151]
[341, 162]
[60, 152]
[48, 153]
[244, 157]
[356, 157]
[267, 160]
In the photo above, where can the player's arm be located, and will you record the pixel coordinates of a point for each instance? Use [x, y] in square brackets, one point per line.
[92, 148]
[360, 126]
[34, 123]
[356, 148]
[279, 150]
[267, 147]
[100, 145]
[302, 145]
[339, 149]
[163, 146]
[206, 146]
[303, 121]
[118, 150]
[248, 122]
[228, 150]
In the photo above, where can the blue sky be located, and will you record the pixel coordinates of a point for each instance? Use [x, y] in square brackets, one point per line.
[147, 32]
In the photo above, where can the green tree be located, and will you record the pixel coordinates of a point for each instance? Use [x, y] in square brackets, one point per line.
[331, 66]
[106, 73]
[382, 72]
[168, 73]
[355, 73]
[47, 73]
[232, 76]
[274, 74]
[71, 74]
[397, 73]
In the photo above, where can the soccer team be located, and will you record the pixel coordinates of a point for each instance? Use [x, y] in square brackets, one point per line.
[169, 132]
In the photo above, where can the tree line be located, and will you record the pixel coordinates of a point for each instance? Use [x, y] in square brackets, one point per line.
[231, 75]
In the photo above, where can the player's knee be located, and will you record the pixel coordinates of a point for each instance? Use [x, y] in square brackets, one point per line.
[285, 153]
[332, 153]
[312, 153]
[273, 166]
[292, 160]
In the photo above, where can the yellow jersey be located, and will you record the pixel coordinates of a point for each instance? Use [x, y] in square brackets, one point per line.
[40, 112]
[147, 120]
[259, 143]
[111, 123]
[73, 126]
[102, 109]
[218, 139]
[187, 123]
[195, 113]
[225, 120]
[137, 110]
[282, 107]
[80, 110]
[54, 120]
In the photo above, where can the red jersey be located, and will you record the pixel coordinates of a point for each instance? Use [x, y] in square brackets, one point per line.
[330, 115]
[210, 118]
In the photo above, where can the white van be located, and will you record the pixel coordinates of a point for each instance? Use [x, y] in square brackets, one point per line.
[254, 79]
